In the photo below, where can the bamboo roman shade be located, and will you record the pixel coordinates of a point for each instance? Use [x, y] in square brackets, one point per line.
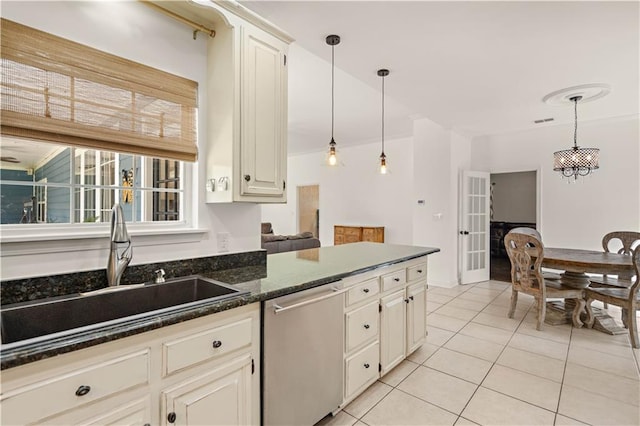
[60, 91]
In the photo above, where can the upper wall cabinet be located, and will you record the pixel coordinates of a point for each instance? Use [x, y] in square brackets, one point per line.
[246, 100]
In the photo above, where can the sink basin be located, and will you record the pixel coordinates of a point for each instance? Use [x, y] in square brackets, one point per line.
[23, 321]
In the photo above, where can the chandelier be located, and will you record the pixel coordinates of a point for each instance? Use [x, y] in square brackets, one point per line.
[576, 161]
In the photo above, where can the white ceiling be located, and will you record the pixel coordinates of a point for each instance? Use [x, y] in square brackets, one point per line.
[479, 68]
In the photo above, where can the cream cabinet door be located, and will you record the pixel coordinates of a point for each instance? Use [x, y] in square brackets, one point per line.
[219, 397]
[263, 107]
[416, 316]
[392, 330]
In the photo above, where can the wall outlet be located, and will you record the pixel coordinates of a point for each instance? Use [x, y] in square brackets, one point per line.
[223, 241]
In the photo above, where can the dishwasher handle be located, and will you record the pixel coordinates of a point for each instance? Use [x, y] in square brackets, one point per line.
[334, 292]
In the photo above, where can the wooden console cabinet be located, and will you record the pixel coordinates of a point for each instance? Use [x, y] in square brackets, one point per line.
[352, 234]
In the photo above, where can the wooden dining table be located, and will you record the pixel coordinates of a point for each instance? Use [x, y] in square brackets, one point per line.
[577, 263]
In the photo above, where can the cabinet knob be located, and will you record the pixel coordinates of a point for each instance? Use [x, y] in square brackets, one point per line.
[217, 344]
[171, 417]
[406, 300]
[396, 279]
[83, 390]
[366, 290]
[411, 297]
[366, 326]
[366, 365]
[247, 177]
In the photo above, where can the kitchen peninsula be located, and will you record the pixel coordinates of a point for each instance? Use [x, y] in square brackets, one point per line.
[162, 364]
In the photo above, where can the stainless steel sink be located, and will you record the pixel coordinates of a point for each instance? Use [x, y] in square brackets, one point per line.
[30, 320]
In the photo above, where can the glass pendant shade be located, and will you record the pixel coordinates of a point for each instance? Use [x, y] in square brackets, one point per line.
[576, 161]
[383, 164]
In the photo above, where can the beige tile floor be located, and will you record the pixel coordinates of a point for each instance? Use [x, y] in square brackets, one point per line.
[480, 367]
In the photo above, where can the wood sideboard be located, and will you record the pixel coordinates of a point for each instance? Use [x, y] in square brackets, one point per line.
[343, 234]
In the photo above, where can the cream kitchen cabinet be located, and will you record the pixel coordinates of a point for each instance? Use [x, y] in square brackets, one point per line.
[227, 388]
[403, 317]
[385, 321]
[245, 144]
[244, 148]
[203, 368]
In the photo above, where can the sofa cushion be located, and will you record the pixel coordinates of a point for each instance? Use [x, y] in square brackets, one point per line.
[300, 236]
[267, 238]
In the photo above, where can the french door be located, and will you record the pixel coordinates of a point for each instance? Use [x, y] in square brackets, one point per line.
[474, 227]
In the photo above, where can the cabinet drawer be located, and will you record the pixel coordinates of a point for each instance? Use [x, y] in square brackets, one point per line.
[34, 402]
[361, 325]
[196, 348]
[417, 272]
[362, 291]
[361, 369]
[393, 280]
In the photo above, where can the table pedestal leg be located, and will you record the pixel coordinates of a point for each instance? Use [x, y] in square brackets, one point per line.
[575, 279]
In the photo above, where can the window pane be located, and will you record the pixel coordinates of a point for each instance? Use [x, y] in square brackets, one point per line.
[78, 185]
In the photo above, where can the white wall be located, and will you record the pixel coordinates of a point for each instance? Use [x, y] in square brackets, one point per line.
[136, 32]
[423, 168]
[353, 192]
[575, 215]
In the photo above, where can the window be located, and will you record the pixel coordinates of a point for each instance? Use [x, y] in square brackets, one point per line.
[83, 129]
[66, 185]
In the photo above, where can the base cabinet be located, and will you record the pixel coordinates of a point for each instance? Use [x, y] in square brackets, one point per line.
[227, 388]
[198, 372]
[385, 321]
[393, 320]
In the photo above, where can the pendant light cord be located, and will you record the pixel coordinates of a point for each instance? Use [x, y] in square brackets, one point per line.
[575, 128]
[383, 115]
[332, 89]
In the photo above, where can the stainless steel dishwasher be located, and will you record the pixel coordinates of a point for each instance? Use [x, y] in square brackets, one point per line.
[302, 358]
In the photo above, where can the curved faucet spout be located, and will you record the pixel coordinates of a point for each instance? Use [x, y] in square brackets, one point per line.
[120, 250]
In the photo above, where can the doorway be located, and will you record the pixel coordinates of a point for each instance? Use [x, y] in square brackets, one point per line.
[309, 209]
[513, 203]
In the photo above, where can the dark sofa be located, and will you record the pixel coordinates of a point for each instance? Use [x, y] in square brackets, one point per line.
[273, 243]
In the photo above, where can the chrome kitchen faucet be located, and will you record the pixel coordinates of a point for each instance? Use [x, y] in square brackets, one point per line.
[119, 255]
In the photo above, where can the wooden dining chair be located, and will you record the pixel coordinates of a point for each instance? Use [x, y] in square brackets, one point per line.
[627, 298]
[628, 240]
[526, 252]
[548, 275]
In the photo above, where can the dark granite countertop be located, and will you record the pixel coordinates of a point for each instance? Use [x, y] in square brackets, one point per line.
[285, 273]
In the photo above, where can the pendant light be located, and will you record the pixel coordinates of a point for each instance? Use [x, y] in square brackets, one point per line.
[383, 158]
[576, 161]
[332, 40]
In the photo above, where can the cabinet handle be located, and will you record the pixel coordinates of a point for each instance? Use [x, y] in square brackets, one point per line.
[396, 279]
[406, 300]
[419, 271]
[366, 365]
[83, 390]
[366, 290]
[171, 417]
[217, 344]
[247, 177]
[411, 297]
[366, 326]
